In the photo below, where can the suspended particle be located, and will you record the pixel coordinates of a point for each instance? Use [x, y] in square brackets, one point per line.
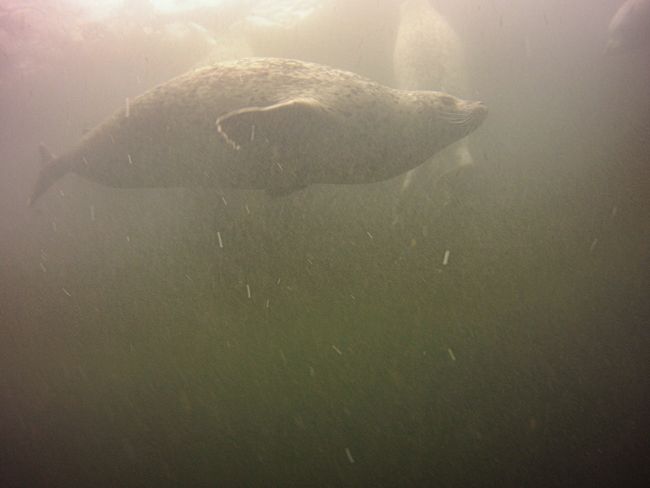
[349, 455]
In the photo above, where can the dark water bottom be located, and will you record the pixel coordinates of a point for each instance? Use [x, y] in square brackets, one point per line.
[338, 351]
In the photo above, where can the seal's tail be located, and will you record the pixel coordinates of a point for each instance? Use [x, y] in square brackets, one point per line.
[52, 169]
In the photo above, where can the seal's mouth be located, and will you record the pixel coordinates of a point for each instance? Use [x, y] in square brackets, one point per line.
[468, 117]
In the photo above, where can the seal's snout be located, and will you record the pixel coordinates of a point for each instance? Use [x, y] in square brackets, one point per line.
[479, 112]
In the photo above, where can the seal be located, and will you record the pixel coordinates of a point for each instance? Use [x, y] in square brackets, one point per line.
[265, 123]
[428, 55]
[630, 27]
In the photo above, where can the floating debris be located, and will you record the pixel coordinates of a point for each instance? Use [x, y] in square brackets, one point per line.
[451, 354]
[220, 241]
[225, 202]
[370, 235]
[248, 290]
[268, 302]
[248, 210]
[128, 107]
[189, 278]
[445, 258]
[43, 267]
[252, 132]
[349, 455]
[66, 292]
[593, 245]
[278, 282]
[128, 239]
[337, 350]
[92, 213]
[280, 166]
[130, 160]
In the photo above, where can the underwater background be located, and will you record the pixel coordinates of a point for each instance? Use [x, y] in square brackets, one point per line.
[495, 334]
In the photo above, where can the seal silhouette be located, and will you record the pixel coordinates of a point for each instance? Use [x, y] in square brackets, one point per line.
[265, 123]
[629, 28]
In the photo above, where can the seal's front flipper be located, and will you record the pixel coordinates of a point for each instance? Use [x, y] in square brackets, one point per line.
[276, 124]
[278, 139]
[51, 170]
[46, 155]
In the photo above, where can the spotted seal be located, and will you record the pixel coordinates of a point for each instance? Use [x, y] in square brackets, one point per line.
[265, 123]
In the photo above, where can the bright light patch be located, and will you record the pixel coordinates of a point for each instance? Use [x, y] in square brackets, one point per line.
[102, 8]
[180, 5]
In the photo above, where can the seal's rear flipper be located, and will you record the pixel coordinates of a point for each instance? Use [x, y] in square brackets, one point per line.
[51, 170]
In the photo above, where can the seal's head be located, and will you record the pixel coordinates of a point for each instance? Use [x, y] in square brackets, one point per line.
[463, 116]
[451, 118]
